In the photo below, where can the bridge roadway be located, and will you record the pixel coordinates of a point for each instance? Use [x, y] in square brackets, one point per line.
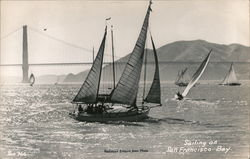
[90, 63]
[53, 64]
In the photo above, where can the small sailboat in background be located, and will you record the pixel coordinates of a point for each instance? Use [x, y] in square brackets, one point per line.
[195, 77]
[182, 78]
[32, 79]
[57, 80]
[231, 79]
[121, 104]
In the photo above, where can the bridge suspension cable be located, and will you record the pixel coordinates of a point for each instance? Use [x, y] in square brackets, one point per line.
[63, 41]
[59, 40]
[55, 39]
[9, 34]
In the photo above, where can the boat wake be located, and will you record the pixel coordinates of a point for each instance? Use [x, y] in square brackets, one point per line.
[125, 123]
[168, 120]
[198, 101]
[208, 125]
[186, 122]
[201, 102]
[177, 121]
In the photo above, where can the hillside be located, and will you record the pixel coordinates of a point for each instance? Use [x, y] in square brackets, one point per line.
[180, 54]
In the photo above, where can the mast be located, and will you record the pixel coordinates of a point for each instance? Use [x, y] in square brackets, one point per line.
[113, 56]
[145, 75]
[93, 54]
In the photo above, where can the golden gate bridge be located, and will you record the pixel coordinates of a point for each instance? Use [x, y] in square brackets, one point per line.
[26, 32]
[25, 52]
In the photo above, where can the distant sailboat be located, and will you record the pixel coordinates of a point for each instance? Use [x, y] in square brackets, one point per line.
[121, 103]
[57, 80]
[182, 78]
[195, 77]
[231, 79]
[32, 79]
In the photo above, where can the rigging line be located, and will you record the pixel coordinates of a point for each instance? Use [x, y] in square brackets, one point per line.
[7, 35]
[59, 40]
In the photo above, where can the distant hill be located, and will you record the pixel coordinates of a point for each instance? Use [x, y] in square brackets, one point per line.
[194, 51]
[180, 54]
[48, 79]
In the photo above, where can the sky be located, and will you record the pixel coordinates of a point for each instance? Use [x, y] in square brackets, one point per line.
[82, 23]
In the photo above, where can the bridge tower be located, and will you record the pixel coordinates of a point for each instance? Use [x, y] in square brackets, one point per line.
[25, 65]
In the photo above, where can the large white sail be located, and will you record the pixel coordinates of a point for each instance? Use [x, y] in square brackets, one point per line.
[197, 74]
[154, 94]
[88, 93]
[126, 89]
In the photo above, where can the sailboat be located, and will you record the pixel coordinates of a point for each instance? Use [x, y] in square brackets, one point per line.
[231, 79]
[182, 78]
[121, 104]
[32, 79]
[195, 78]
[57, 80]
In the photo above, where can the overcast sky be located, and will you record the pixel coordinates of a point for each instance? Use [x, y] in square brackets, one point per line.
[82, 23]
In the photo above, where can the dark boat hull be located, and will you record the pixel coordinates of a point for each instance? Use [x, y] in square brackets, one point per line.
[185, 84]
[106, 117]
[181, 84]
[231, 84]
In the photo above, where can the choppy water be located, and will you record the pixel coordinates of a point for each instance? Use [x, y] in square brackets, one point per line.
[34, 123]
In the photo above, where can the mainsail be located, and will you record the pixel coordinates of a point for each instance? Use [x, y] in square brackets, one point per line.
[230, 77]
[88, 93]
[197, 74]
[32, 79]
[126, 89]
[154, 94]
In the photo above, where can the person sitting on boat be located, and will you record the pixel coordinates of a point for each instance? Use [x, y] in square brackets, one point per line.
[179, 96]
[80, 109]
[100, 109]
[90, 109]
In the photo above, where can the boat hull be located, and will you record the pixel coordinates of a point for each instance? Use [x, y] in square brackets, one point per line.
[106, 117]
[231, 84]
[181, 84]
[184, 84]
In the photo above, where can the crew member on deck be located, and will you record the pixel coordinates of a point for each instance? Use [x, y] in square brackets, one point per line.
[80, 109]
